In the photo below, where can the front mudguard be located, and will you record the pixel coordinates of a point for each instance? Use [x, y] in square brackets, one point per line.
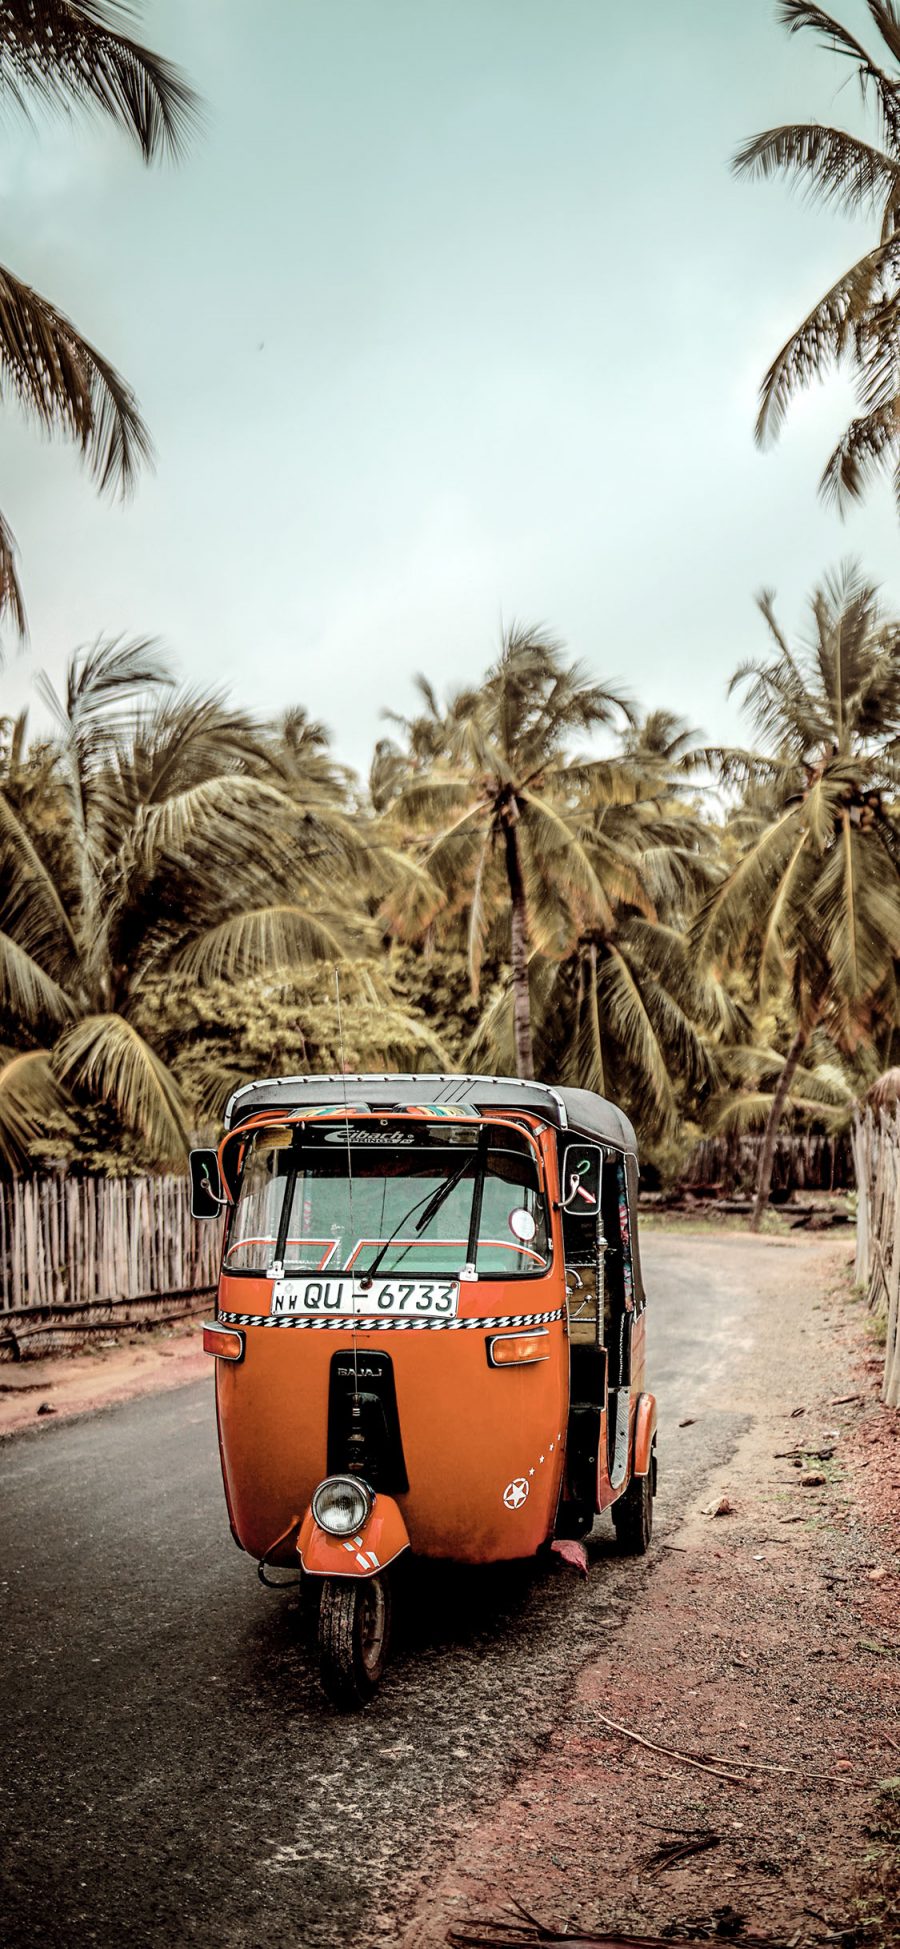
[644, 1433]
[369, 1550]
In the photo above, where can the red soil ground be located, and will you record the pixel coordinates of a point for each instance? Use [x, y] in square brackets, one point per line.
[766, 1634]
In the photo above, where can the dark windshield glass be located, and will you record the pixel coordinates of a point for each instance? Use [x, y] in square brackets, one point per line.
[327, 1206]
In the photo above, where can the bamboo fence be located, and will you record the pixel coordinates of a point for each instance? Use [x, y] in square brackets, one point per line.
[876, 1155]
[809, 1161]
[67, 1242]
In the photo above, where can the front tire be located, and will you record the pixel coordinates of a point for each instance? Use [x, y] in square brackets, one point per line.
[633, 1513]
[354, 1634]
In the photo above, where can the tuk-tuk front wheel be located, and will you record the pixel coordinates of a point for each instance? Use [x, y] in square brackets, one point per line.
[354, 1633]
[632, 1514]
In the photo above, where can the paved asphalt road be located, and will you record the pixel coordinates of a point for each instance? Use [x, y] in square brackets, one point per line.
[170, 1774]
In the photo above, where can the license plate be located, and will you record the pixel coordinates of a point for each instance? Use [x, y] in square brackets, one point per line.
[410, 1298]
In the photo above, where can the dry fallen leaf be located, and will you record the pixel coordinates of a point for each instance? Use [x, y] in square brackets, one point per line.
[721, 1508]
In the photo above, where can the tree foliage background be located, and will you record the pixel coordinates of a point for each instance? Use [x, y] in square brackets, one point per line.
[536, 879]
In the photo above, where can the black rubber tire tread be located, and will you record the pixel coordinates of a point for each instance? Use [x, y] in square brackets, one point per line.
[348, 1679]
[633, 1514]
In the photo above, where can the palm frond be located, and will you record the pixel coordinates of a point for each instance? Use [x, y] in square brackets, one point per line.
[623, 1004]
[824, 336]
[777, 938]
[492, 1046]
[841, 169]
[553, 836]
[267, 939]
[412, 898]
[430, 800]
[869, 446]
[188, 735]
[233, 833]
[663, 954]
[742, 904]
[675, 878]
[65, 51]
[12, 601]
[27, 992]
[104, 678]
[859, 913]
[64, 383]
[30, 905]
[797, 15]
[105, 1056]
[887, 20]
[30, 1097]
[750, 1110]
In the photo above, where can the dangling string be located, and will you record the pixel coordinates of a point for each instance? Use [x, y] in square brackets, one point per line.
[340, 1017]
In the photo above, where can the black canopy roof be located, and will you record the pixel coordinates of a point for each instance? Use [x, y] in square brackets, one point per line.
[565, 1109]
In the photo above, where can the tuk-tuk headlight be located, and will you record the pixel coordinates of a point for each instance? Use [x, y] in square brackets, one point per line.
[342, 1504]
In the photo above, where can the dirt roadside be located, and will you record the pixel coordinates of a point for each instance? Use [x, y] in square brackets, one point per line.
[34, 1393]
[765, 1633]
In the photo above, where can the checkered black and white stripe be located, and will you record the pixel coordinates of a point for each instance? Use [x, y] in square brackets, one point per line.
[369, 1323]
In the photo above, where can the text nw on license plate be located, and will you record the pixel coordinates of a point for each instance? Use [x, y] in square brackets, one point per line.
[422, 1298]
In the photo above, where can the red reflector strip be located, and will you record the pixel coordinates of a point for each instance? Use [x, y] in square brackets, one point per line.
[224, 1342]
[519, 1349]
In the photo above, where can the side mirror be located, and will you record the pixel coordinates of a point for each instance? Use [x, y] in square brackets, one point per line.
[581, 1179]
[206, 1184]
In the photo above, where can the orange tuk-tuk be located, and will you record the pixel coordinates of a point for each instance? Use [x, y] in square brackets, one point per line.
[429, 1333]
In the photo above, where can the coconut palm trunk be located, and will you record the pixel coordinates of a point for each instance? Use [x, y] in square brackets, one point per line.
[518, 953]
[767, 1154]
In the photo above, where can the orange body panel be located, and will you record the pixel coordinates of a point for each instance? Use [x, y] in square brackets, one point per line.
[363, 1554]
[472, 1434]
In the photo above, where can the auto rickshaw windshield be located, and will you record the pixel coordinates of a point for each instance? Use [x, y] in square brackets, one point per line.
[343, 1196]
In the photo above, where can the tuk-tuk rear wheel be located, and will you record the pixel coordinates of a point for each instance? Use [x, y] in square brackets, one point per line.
[354, 1633]
[633, 1513]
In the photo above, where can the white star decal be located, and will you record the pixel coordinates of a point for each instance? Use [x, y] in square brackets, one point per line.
[515, 1493]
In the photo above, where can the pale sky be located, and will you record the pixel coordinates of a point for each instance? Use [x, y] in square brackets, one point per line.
[453, 313]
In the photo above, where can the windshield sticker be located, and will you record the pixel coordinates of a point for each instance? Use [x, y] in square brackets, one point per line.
[335, 1110]
[365, 1136]
[457, 1111]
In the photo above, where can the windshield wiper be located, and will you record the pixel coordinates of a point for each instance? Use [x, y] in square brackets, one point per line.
[435, 1201]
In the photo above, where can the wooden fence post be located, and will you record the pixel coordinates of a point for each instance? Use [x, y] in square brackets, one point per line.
[876, 1156]
[65, 1241]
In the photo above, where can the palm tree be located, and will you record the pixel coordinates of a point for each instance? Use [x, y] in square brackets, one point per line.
[814, 897]
[496, 792]
[663, 747]
[858, 318]
[619, 1004]
[66, 52]
[177, 848]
